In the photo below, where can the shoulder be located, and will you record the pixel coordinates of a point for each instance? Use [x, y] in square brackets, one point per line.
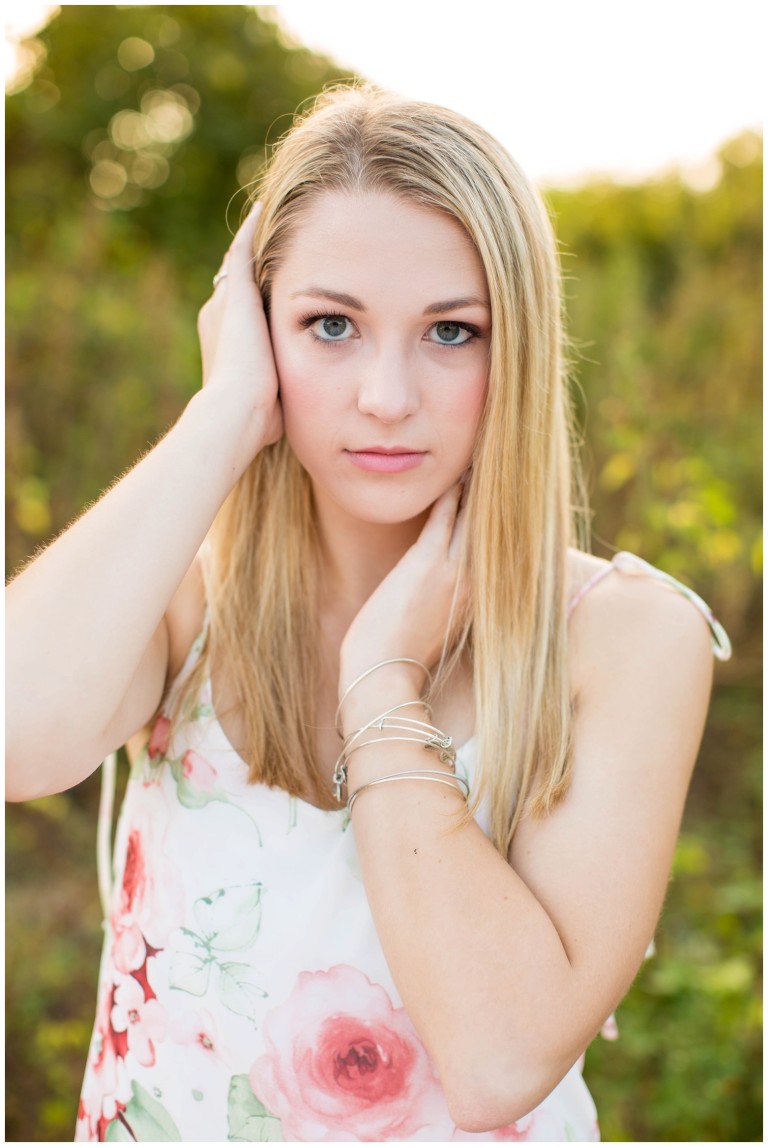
[634, 631]
[185, 616]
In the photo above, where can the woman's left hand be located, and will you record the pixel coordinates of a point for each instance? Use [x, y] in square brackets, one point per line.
[409, 613]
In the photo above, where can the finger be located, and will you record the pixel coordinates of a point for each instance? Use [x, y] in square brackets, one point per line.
[221, 274]
[241, 247]
[442, 519]
[238, 259]
[459, 529]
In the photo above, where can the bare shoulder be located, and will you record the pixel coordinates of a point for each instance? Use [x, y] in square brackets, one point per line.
[635, 629]
[185, 616]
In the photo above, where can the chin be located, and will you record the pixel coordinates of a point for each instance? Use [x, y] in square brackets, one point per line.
[387, 508]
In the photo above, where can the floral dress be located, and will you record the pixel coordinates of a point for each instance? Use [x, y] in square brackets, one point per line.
[243, 993]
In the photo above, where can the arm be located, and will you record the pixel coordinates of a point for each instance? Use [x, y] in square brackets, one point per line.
[508, 970]
[87, 635]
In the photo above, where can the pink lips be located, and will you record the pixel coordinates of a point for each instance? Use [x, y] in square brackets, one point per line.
[386, 459]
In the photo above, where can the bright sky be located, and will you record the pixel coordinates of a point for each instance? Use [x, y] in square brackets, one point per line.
[571, 87]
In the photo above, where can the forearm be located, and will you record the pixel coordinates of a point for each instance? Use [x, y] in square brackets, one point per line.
[81, 617]
[478, 961]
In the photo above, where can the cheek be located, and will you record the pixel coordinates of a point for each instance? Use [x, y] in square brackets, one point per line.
[307, 390]
[466, 415]
[466, 403]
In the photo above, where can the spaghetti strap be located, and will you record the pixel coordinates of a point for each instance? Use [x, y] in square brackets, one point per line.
[593, 581]
[105, 820]
[626, 562]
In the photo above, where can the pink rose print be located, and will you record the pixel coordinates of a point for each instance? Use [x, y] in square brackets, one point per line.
[199, 1030]
[203, 1049]
[610, 1029]
[524, 1130]
[142, 1020]
[129, 949]
[545, 1124]
[148, 904]
[99, 1103]
[515, 1132]
[198, 772]
[342, 1062]
[160, 738]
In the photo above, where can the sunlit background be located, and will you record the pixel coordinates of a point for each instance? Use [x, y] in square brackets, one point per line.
[573, 89]
[130, 128]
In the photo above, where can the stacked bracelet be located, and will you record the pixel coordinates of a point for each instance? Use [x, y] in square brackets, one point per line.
[411, 730]
[434, 775]
[417, 732]
[378, 665]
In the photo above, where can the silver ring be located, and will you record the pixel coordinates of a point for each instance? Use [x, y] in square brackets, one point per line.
[219, 276]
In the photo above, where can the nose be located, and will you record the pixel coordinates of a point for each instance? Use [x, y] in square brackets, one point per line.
[387, 388]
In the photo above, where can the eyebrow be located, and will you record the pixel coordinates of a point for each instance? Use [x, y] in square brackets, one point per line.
[350, 301]
[455, 304]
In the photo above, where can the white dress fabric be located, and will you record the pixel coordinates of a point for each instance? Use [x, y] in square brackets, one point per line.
[243, 992]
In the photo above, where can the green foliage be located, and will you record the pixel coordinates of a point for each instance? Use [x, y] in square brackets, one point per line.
[691, 1027]
[248, 1119]
[53, 949]
[140, 123]
[136, 132]
[664, 303]
[148, 1120]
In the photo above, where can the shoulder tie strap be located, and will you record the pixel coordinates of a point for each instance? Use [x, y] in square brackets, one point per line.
[626, 562]
[721, 645]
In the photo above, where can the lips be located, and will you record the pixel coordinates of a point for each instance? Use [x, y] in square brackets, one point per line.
[386, 459]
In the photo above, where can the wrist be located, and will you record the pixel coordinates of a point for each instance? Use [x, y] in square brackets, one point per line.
[363, 700]
[402, 767]
[235, 431]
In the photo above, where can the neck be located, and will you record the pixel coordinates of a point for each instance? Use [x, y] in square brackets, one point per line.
[356, 557]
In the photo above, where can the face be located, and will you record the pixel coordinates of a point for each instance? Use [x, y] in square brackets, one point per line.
[380, 326]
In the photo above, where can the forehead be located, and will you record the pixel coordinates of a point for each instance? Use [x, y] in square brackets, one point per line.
[347, 239]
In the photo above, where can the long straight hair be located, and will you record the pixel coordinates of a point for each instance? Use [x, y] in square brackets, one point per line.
[525, 502]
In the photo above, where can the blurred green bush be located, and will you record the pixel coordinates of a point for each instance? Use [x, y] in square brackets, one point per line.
[135, 126]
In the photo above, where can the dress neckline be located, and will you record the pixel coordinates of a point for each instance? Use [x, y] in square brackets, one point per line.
[230, 748]
[623, 561]
[461, 750]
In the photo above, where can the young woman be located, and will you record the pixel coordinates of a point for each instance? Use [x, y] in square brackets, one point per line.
[401, 831]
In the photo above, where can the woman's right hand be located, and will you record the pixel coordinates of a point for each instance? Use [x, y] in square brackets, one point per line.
[238, 363]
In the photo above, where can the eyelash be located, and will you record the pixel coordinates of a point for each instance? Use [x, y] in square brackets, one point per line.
[306, 322]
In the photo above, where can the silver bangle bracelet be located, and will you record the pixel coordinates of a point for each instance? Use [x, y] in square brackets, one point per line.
[434, 775]
[378, 665]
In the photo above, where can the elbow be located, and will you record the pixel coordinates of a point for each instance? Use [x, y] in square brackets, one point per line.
[479, 1111]
[23, 783]
[26, 764]
[47, 753]
[32, 772]
[492, 1097]
[17, 776]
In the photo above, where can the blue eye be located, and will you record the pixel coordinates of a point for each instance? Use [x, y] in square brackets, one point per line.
[451, 333]
[332, 328]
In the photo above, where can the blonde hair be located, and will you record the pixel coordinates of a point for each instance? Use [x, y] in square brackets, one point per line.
[263, 574]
